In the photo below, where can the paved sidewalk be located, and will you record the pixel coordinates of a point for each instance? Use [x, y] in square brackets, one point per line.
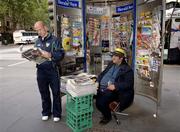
[23, 114]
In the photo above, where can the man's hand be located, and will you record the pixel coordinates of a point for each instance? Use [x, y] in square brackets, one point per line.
[97, 85]
[111, 87]
[45, 54]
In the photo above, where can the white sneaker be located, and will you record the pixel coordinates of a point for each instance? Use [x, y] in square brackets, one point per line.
[45, 118]
[56, 119]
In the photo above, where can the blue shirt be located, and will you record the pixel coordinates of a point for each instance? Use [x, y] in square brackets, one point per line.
[50, 44]
[109, 77]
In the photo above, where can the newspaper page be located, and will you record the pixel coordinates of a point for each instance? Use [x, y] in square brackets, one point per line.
[34, 54]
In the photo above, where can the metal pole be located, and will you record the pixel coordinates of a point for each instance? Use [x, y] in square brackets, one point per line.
[84, 33]
[53, 23]
[162, 52]
[134, 35]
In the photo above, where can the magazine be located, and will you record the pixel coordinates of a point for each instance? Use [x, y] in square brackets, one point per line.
[34, 54]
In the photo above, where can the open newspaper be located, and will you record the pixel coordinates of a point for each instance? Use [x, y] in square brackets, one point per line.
[34, 54]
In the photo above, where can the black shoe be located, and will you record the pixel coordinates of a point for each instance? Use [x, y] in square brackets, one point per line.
[104, 121]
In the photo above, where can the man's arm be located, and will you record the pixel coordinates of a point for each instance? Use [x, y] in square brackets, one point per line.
[46, 54]
[128, 82]
[57, 52]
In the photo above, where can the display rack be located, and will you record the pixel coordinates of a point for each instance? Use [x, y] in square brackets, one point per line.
[70, 29]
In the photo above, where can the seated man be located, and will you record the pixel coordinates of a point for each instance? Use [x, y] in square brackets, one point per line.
[116, 83]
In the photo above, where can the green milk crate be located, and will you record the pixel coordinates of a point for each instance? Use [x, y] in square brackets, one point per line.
[79, 123]
[81, 104]
[79, 112]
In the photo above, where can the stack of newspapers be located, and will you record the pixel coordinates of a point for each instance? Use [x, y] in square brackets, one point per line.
[81, 85]
[64, 80]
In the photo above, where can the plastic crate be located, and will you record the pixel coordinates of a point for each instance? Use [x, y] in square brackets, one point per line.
[80, 122]
[79, 105]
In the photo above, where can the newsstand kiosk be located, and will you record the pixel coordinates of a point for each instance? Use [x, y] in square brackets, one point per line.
[138, 27]
[90, 30]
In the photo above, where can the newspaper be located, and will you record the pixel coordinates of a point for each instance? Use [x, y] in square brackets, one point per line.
[82, 80]
[82, 84]
[34, 54]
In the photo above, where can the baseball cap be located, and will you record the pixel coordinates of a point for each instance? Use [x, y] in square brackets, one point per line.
[119, 52]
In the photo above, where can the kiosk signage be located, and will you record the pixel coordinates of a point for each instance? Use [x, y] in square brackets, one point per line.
[68, 3]
[124, 8]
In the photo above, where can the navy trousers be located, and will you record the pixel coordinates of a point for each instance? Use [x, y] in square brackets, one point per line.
[103, 99]
[49, 78]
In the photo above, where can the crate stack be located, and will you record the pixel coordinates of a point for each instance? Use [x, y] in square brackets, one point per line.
[79, 112]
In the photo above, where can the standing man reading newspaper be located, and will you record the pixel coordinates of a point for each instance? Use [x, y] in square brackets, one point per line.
[47, 72]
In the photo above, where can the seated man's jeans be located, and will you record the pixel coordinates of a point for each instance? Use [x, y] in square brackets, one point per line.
[103, 100]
